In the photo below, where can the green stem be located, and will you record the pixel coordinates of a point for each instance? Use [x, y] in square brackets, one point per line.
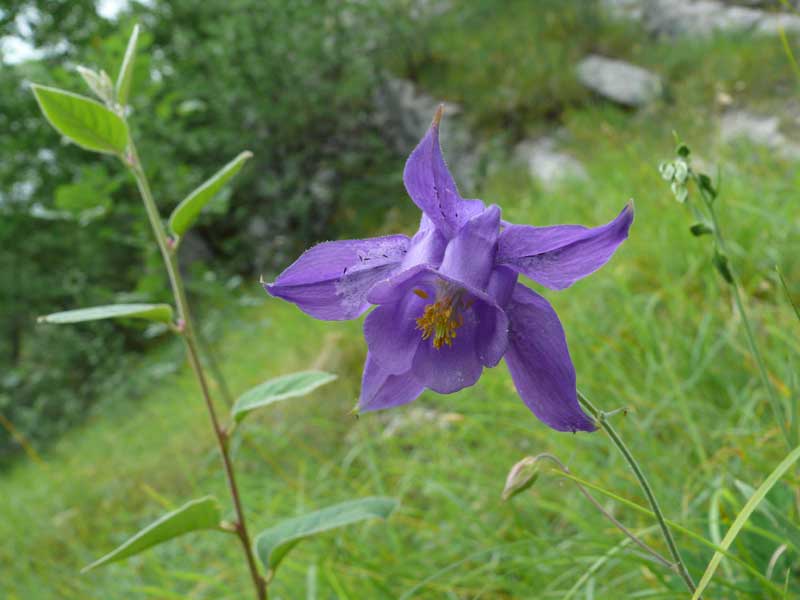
[645, 485]
[775, 403]
[213, 366]
[627, 532]
[186, 326]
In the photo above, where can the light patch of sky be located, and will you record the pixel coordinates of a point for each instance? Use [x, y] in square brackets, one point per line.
[15, 49]
[109, 9]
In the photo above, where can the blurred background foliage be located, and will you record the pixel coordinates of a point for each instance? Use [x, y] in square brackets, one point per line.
[293, 81]
[299, 83]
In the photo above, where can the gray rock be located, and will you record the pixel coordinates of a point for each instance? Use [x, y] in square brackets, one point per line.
[772, 24]
[404, 114]
[759, 129]
[427, 9]
[619, 81]
[548, 164]
[703, 17]
[625, 9]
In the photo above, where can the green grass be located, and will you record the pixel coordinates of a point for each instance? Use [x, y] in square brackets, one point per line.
[654, 331]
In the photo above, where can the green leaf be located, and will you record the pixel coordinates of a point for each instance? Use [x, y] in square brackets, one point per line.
[275, 543]
[84, 121]
[706, 185]
[721, 263]
[280, 388]
[203, 513]
[185, 214]
[126, 71]
[151, 312]
[742, 517]
[788, 293]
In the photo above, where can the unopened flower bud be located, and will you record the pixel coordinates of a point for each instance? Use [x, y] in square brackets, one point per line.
[521, 476]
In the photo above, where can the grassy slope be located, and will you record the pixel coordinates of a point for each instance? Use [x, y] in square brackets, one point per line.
[654, 331]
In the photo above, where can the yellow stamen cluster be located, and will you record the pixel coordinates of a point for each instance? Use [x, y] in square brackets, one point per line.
[441, 319]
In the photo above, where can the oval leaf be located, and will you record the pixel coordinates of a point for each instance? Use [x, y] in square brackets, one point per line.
[185, 214]
[151, 312]
[273, 544]
[126, 71]
[83, 120]
[203, 513]
[280, 388]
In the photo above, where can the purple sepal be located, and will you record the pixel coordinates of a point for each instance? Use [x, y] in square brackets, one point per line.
[540, 364]
[380, 389]
[558, 256]
[330, 281]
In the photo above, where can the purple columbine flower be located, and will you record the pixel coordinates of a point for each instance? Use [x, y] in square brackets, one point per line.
[447, 301]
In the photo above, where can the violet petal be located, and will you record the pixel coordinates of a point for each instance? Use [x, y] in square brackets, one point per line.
[382, 390]
[491, 340]
[330, 281]
[449, 368]
[431, 186]
[540, 364]
[481, 339]
[391, 333]
[558, 256]
[470, 255]
[501, 285]
[427, 246]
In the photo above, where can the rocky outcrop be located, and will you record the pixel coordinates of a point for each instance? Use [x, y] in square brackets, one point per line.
[758, 129]
[704, 17]
[546, 163]
[619, 81]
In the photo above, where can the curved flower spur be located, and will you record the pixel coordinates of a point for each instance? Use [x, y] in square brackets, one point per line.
[447, 301]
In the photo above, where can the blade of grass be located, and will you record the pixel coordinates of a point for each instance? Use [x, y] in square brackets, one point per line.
[598, 564]
[786, 287]
[678, 527]
[742, 517]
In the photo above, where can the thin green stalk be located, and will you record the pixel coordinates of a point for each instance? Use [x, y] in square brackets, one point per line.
[751, 341]
[213, 366]
[676, 526]
[614, 521]
[645, 485]
[186, 328]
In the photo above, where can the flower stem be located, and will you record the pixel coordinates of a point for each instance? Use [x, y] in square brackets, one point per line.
[627, 532]
[188, 334]
[775, 403]
[645, 485]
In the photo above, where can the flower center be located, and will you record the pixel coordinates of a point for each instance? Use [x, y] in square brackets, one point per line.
[441, 319]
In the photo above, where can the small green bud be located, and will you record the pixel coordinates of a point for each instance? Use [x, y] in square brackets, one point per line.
[680, 191]
[683, 151]
[99, 83]
[681, 171]
[699, 229]
[521, 477]
[667, 170]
